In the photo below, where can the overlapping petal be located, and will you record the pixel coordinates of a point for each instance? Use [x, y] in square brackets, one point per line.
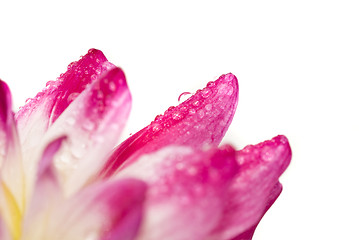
[93, 124]
[255, 187]
[201, 120]
[40, 112]
[12, 177]
[168, 181]
[186, 192]
[111, 210]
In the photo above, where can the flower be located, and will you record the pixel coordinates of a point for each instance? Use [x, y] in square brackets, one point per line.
[62, 178]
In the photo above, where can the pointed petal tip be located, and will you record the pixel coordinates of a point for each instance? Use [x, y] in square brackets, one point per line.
[58, 95]
[200, 121]
[276, 151]
[5, 103]
[109, 91]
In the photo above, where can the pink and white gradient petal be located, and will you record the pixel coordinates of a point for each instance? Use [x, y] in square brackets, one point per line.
[42, 111]
[186, 190]
[93, 124]
[201, 120]
[255, 188]
[4, 233]
[12, 176]
[105, 211]
[47, 195]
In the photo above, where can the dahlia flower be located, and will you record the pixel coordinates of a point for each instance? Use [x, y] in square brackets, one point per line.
[63, 177]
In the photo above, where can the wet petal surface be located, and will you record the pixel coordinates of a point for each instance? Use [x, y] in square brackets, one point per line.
[255, 187]
[185, 186]
[202, 120]
[110, 210]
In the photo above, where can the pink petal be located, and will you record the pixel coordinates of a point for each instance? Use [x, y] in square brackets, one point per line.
[248, 234]
[58, 95]
[42, 111]
[10, 152]
[201, 120]
[47, 194]
[4, 232]
[255, 188]
[107, 211]
[186, 190]
[111, 210]
[93, 124]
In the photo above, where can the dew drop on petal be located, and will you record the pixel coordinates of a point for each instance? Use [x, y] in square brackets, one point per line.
[196, 103]
[70, 121]
[200, 113]
[229, 90]
[211, 84]
[206, 92]
[156, 127]
[184, 96]
[88, 125]
[100, 94]
[72, 97]
[208, 107]
[112, 86]
[93, 77]
[50, 83]
[177, 116]
[192, 171]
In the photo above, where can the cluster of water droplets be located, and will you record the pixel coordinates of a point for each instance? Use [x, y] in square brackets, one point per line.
[192, 106]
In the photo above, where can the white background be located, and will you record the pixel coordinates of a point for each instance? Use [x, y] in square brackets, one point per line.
[297, 64]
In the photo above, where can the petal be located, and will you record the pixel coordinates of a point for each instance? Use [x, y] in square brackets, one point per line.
[10, 153]
[47, 194]
[185, 186]
[106, 211]
[39, 113]
[4, 233]
[111, 210]
[93, 123]
[248, 234]
[203, 119]
[255, 188]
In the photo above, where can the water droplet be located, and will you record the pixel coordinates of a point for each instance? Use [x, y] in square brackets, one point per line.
[158, 118]
[192, 171]
[211, 84]
[50, 84]
[177, 116]
[72, 97]
[191, 111]
[180, 166]
[78, 151]
[28, 100]
[86, 72]
[206, 92]
[182, 97]
[229, 90]
[88, 125]
[112, 86]
[201, 113]
[71, 65]
[100, 94]
[208, 107]
[70, 121]
[196, 103]
[156, 127]
[93, 77]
